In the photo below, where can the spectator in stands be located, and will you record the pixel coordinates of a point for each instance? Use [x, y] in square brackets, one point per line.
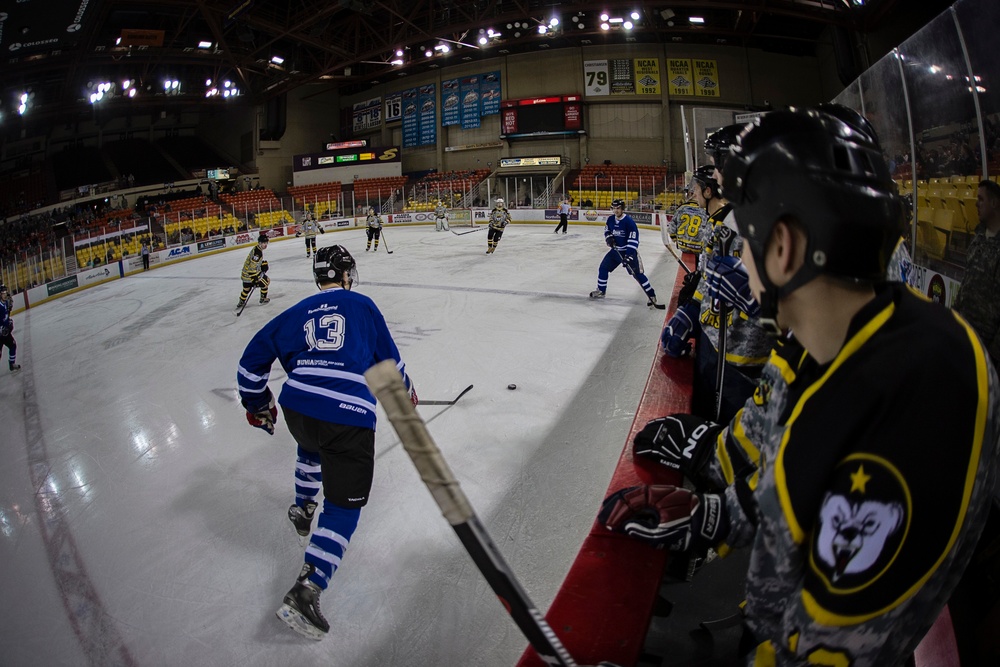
[978, 300]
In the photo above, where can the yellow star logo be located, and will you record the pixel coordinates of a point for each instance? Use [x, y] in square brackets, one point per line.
[859, 479]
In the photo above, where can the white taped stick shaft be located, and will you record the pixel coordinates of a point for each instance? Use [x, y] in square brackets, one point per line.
[387, 384]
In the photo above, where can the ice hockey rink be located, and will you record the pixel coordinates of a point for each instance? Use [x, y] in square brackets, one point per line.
[142, 520]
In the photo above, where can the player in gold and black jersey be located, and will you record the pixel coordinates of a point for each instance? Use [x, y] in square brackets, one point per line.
[254, 273]
[499, 219]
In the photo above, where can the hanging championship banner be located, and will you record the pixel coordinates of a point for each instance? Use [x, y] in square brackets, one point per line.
[622, 77]
[706, 78]
[647, 76]
[679, 79]
[450, 103]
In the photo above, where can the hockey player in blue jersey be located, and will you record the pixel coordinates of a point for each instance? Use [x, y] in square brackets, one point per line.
[622, 237]
[7, 329]
[324, 343]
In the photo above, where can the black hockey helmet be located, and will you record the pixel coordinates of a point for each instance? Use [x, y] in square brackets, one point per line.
[853, 118]
[811, 167]
[718, 143]
[3, 289]
[618, 203]
[704, 178]
[331, 262]
[262, 238]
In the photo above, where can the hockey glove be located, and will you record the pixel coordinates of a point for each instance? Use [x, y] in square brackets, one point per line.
[263, 416]
[680, 328]
[689, 287]
[264, 266]
[726, 279]
[610, 240]
[666, 516]
[682, 442]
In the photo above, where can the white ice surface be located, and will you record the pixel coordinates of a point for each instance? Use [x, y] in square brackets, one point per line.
[142, 521]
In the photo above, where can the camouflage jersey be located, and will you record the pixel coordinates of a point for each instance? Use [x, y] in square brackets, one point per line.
[374, 221]
[440, 211]
[309, 227]
[251, 267]
[499, 218]
[859, 527]
[689, 228]
[747, 343]
[977, 299]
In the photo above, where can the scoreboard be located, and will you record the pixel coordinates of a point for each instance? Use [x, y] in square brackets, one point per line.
[541, 117]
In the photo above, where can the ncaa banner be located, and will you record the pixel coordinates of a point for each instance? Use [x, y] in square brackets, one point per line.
[680, 81]
[706, 78]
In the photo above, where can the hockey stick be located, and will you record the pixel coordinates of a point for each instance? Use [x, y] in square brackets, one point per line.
[468, 232]
[726, 238]
[460, 395]
[658, 306]
[387, 384]
[385, 243]
[240, 311]
[677, 257]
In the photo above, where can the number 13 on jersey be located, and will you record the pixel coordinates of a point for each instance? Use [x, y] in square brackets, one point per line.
[328, 335]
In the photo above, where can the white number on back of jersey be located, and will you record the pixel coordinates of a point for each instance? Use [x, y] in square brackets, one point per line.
[332, 330]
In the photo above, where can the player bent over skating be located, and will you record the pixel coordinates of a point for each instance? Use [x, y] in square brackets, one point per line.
[499, 219]
[622, 237]
[254, 273]
[325, 343]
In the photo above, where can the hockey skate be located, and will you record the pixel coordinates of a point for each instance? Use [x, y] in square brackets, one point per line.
[14, 368]
[300, 609]
[301, 518]
[239, 306]
[264, 300]
[653, 304]
[597, 294]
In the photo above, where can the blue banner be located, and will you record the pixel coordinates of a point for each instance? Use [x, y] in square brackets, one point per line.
[489, 91]
[450, 103]
[428, 115]
[470, 102]
[411, 126]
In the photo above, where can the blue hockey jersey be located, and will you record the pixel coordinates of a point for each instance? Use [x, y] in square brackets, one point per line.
[324, 343]
[624, 232]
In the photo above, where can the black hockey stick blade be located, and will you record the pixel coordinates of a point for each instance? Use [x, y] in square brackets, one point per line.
[387, 384]
[240, 311]
[658, 306]
[468, 232]
[453, 402]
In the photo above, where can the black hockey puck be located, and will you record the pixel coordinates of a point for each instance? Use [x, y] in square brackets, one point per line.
[512, 386]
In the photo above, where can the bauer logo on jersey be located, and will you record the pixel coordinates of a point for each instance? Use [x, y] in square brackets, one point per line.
[864, 523]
